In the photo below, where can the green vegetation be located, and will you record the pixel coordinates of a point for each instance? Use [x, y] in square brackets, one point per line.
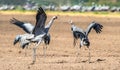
[62, 2]
[14, 2]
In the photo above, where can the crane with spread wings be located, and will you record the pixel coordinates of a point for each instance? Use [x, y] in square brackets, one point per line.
[36, 33]
[79, 33]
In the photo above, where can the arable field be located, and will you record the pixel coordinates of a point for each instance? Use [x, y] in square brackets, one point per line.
[61, 55]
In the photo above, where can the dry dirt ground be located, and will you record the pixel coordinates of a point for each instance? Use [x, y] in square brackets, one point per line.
[61, 55]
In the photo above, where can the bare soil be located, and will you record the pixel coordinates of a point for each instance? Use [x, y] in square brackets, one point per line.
[61, 54]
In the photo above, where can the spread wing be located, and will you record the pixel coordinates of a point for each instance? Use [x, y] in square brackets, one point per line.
[40, 22]
[96, 26]
[27, 27]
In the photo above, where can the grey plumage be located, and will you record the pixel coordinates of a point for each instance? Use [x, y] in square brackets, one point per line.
[47, 39]
[39, 32]
[81, 34]
[21, 39]
[40, 22]
[27, 27]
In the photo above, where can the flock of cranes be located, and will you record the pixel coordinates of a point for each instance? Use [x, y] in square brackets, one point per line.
[38, 33]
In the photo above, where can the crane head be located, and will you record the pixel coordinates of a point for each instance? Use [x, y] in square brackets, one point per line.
[71, 22]
[17, 39]
[55, 17]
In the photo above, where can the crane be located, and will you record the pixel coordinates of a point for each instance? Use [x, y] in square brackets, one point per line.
[28, 28]
[79, 33]
[36, 33]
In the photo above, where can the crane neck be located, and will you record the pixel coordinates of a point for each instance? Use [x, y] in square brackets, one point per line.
[47, 27]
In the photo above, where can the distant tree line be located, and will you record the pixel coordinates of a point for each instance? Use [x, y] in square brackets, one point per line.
[73, 2]
[13, 2]
[61, 2]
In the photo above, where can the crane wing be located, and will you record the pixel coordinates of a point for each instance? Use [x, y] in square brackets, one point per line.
[27, 27]
[40, 22]
[96, 26]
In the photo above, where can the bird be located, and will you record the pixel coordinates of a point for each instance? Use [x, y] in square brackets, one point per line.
[28, 28]
[79, 33]
[38, 33]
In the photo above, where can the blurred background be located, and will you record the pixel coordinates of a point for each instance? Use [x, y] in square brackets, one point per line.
[62, 5]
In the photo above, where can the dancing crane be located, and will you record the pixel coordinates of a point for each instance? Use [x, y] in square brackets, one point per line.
[28, 28]
[37, 34]
[81, 34]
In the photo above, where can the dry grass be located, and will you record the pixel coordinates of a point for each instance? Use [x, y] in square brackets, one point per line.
[61, 53]
[70, 13]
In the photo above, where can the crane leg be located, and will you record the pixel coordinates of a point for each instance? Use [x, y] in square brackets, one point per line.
[89, 55]
[26, 50]
[34, 55]
[74, 42]
[44, 50]
[34, 52]
[77, 52]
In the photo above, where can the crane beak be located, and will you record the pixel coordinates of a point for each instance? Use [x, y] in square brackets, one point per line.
[70, 22]
[15, 41]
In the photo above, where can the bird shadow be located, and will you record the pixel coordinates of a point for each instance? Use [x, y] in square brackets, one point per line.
[64, 62]
[86, 61]
[56, 62]
[100, 60]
